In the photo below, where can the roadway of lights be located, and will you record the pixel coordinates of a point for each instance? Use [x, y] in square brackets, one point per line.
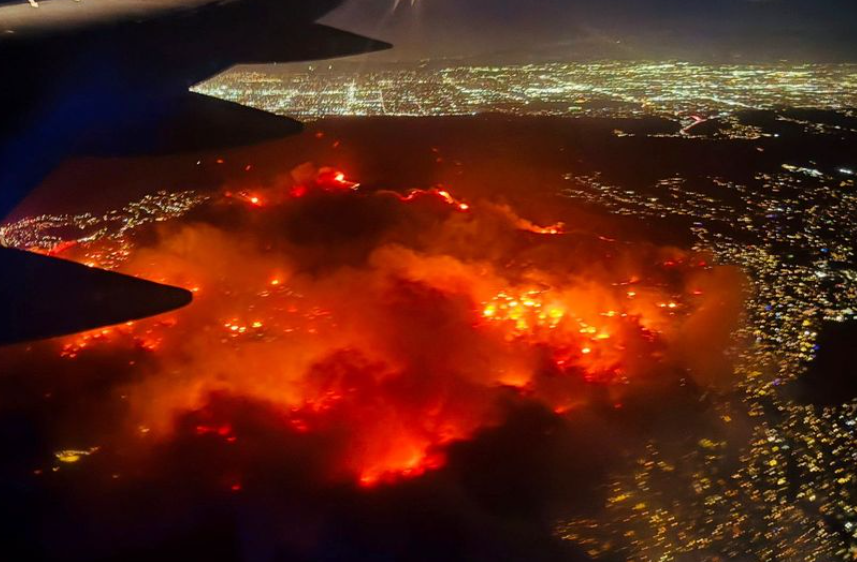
[679, 91]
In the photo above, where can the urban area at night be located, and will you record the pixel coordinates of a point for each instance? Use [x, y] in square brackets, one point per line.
[618, 89]
[595, 310]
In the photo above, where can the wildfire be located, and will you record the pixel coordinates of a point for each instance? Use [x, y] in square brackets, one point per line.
[326, 180]
[147, 338]
[552, 230]
[438, 193]
[330, 179]
[398, 352]
[578, 337]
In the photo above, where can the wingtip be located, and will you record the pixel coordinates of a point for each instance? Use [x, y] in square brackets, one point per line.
[43, 297]
[378, 46]
[353, 43]
[314, 42]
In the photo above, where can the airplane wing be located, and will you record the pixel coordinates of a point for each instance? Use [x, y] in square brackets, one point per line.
[42, 297]
[316, 42]
[112, 78]
[82, 75]
[189, 122]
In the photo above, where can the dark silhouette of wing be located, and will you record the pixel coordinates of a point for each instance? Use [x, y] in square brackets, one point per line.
[95, 75]
[111, 78]
[42, 297]
[187, 123]
[316, 42]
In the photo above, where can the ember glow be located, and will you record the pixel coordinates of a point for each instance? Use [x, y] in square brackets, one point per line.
[389, 325]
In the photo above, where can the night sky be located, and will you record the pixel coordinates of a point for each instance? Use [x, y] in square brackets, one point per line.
[812, 30]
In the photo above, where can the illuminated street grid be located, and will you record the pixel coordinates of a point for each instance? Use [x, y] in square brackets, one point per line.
[792, 495]
[599, 89]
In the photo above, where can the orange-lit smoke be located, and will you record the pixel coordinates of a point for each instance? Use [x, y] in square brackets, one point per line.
[397, 323]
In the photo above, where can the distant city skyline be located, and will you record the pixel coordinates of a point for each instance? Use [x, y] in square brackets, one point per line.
[676, 91]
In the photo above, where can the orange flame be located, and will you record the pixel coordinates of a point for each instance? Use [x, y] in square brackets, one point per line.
[405, 353]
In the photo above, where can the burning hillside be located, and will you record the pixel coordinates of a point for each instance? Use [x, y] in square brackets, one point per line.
[391, 324]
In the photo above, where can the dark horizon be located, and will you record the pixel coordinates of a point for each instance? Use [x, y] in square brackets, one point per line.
[730, 30]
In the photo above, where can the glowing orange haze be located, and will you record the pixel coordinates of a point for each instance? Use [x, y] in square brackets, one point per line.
[400, 338]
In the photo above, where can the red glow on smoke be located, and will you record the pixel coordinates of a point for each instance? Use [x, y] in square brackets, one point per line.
[330, 179]
[299, 191]
[410, 350]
